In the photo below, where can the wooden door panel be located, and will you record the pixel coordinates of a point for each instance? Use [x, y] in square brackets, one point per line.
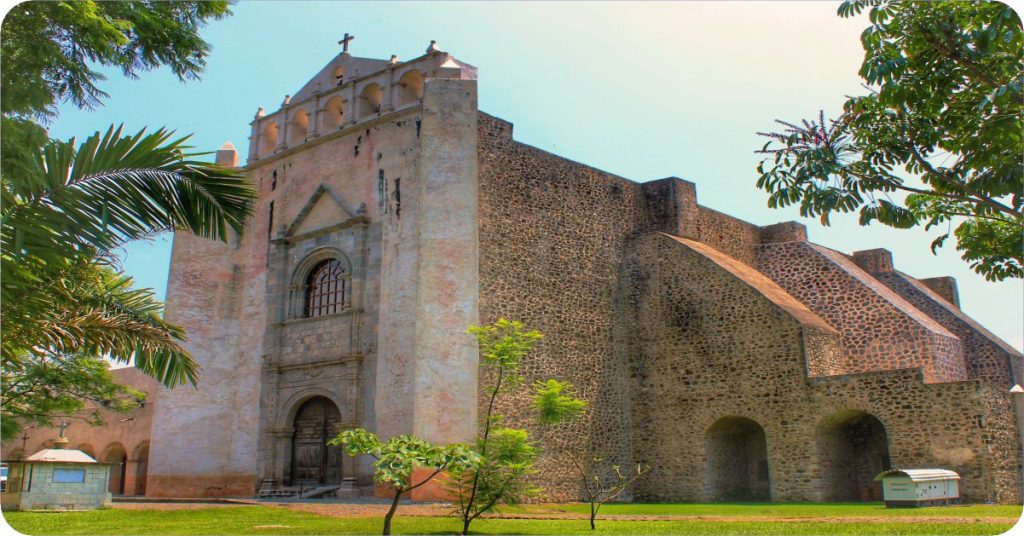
[316, 422]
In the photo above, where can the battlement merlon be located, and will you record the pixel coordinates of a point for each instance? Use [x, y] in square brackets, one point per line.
[346, 92]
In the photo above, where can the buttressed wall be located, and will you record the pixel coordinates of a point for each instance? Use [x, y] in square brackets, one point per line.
[738, 361]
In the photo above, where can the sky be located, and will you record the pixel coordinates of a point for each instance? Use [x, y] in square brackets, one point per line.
[642, 90]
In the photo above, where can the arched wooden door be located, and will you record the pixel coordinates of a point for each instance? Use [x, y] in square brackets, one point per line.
[313, 462]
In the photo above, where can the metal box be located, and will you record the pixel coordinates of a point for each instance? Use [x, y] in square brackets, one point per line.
[919, 487]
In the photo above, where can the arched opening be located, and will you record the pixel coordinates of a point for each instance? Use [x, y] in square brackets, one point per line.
[268, 139]
[852, 449]
[327, 288]
[141, 458]
[410, 87]
[298, 127]
[313, 462]
[339, 75]
[369, 100]
[116, 456]
[334, 113]
[737, 466]
[88, 449]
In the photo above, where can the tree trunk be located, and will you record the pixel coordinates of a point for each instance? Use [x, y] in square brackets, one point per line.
[391, 513]
[593, 514]
[465, 525]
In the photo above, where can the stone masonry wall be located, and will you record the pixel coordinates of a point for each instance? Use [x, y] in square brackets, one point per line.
[996, 364]
[551, 236]
[658, 374]
[731, 235]
[709, 342]
[705, 344]
[880, 329]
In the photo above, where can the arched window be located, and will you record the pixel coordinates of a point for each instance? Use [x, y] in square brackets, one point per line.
[326, 288]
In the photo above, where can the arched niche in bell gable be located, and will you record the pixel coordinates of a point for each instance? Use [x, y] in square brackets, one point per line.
[410, 87]
[269, 137]
[370, 99]
[298, 126]
[333, 114]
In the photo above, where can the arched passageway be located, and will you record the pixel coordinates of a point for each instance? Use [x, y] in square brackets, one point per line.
[737, 466]
[116, 456]
[853, 448]
[313, 462]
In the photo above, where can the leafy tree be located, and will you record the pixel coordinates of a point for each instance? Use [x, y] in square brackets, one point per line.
[74, 386]
[64, 206]
[506, 454]
[601, 489]
[47, 49]
[937, 140]
[395, 459]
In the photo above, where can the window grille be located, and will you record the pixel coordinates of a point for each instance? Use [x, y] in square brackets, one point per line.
[326, 289]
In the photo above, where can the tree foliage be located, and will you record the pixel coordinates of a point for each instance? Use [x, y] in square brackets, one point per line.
[937, 141]
[396, 458]
[66, 386]
[506, 454]
[66, 206]
[48, 49]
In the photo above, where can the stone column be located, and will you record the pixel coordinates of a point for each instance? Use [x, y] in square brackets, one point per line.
[1017, 393]
[349, 488]
[314, 118]
[389, 92]
[130, 477]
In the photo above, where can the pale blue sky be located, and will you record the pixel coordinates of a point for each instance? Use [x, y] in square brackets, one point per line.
[644, 90]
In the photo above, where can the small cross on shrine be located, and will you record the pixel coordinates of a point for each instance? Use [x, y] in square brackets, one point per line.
[344, 42]
[63, 425]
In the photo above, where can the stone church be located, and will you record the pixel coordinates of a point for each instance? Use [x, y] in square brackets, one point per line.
[738, 361]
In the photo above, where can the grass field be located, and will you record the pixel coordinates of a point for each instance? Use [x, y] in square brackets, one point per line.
[981, 520]
[798, 510]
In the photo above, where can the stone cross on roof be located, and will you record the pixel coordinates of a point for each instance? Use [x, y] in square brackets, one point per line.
[62, 426]
[344, 42]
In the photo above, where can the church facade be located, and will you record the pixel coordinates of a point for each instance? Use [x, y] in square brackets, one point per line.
[738, 361]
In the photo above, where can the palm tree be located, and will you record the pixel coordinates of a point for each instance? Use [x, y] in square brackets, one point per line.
[65, 208]
[92, 311]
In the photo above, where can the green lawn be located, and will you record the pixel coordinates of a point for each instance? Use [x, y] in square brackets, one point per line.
[779, 510]
[272, 521]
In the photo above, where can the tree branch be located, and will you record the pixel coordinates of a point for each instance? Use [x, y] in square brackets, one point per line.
[957, 184]
[942, 46]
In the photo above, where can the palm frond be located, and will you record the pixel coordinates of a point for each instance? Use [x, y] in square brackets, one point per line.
[115, 187]
[88, 308]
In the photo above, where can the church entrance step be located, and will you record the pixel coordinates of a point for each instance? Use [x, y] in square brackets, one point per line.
[319, 491]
